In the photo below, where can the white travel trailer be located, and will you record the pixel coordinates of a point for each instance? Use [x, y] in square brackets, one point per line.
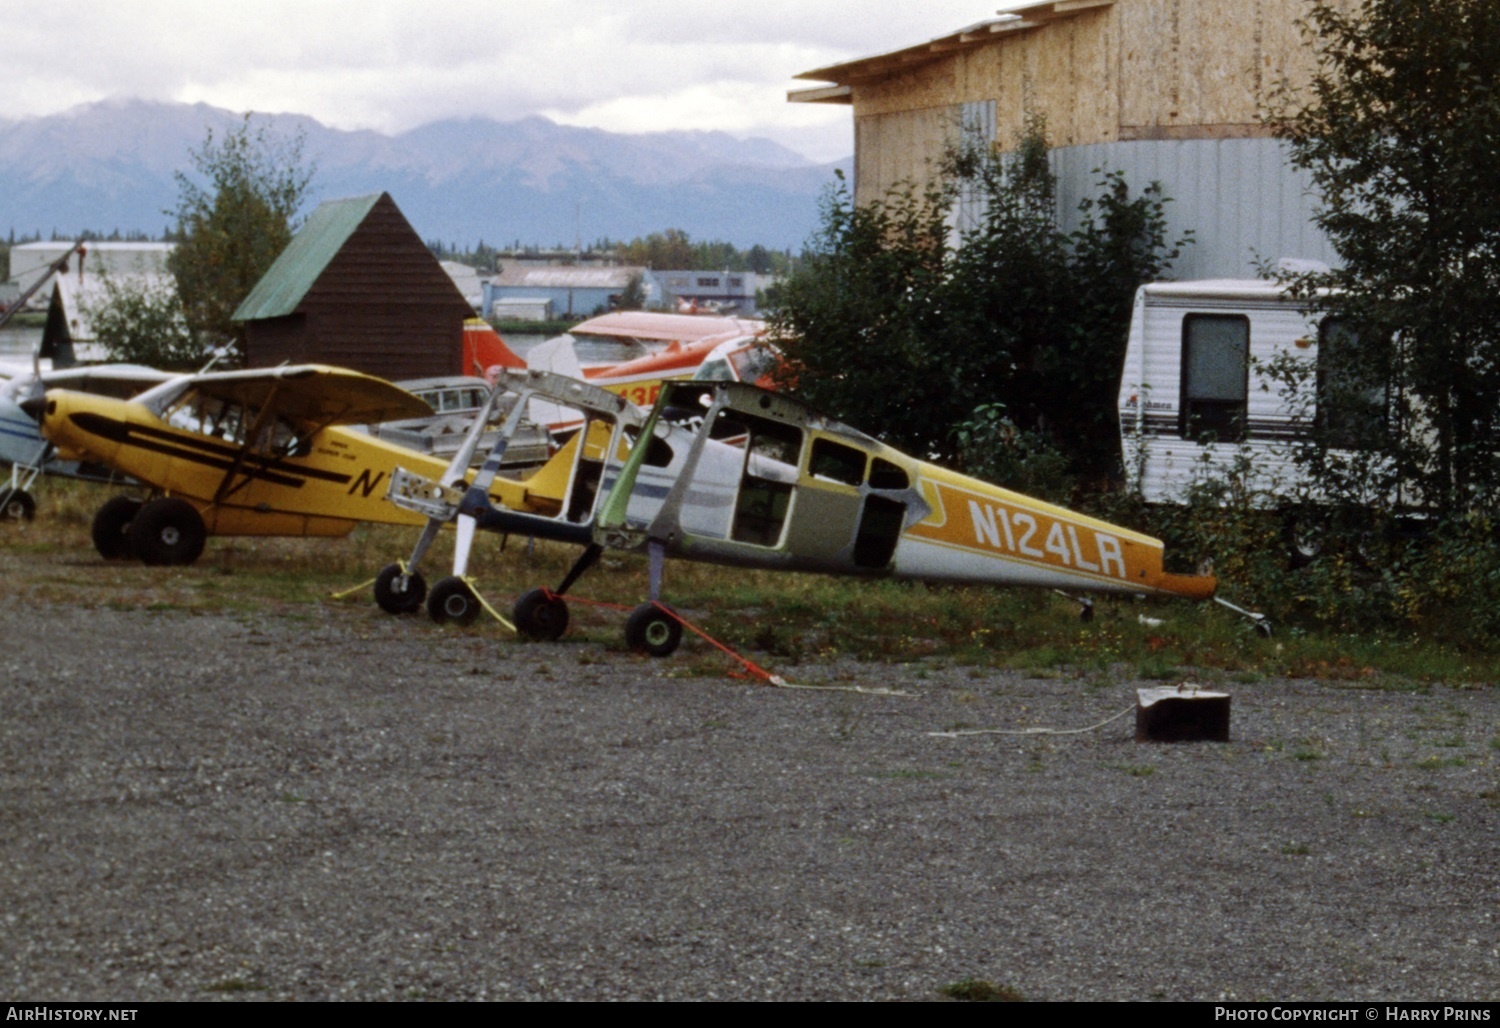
[1197, 401]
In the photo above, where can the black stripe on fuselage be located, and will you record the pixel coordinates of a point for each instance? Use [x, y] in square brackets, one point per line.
[197, 449]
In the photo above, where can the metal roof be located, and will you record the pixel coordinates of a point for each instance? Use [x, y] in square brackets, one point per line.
[283, 286]
[566, 277]
[1019, 18]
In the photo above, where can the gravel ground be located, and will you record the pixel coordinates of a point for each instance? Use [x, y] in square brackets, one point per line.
[326, 803]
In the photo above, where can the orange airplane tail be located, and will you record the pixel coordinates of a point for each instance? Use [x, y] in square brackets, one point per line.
[484, 349]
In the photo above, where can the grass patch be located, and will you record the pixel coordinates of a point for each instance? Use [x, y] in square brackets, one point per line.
[977, 990]
[789, 617]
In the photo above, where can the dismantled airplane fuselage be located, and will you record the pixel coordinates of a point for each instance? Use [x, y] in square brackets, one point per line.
[736, 475]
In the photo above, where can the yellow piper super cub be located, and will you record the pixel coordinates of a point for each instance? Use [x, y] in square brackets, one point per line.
[265, 452]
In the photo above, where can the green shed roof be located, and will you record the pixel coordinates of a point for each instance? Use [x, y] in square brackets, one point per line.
[287, 281]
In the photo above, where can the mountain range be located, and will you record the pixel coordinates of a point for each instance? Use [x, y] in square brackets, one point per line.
[110, 165]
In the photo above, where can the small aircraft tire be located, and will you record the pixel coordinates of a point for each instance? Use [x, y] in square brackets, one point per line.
[111, 528]
[1263, 628]
[452, 602]
[17, 505]
[167, 531]
[653, 630]
[541, 616]
[396, 593]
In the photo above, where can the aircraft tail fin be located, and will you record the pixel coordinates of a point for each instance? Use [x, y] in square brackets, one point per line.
[485, 349]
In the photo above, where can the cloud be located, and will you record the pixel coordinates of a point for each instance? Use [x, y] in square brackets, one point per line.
[391, 65]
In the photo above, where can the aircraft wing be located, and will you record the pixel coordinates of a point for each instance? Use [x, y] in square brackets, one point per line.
[121, 381]
[315, 393]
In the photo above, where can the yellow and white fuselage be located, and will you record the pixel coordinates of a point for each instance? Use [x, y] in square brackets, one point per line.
[762, 480]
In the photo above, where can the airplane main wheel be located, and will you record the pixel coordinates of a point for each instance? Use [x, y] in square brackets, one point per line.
[17, 505]
[111, 528]
[167, 530]
[452, 602]
[398, 593]
[652, 630]
[541, 616]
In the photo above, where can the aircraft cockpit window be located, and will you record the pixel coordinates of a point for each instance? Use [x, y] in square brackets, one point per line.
[772, 454]
[219, 419]
[885, 475]
[658, 450]
[713, 371]
[836, 462]
[752, 362]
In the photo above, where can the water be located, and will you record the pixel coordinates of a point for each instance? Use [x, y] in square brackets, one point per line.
[18, 343]
[522, 342]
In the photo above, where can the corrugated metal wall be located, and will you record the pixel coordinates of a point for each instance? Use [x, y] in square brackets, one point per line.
[1164, 90]
[1238, 196]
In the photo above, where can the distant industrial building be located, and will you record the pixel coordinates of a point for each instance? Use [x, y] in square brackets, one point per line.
[711, 290]
[73, 295]
[566, 292]
[1162, 90]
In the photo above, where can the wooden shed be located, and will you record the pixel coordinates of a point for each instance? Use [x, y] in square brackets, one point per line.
[357, 288]
[1162, 90]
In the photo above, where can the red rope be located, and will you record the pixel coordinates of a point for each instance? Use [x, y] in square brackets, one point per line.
[749, 665]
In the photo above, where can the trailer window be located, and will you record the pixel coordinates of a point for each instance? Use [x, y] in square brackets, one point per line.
[1215, 376]
[1352, 388]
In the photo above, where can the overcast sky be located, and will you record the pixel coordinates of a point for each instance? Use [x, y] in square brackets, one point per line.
[390, 65]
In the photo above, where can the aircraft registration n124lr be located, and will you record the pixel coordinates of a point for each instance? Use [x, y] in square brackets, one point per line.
[257, 452]
[735, 475]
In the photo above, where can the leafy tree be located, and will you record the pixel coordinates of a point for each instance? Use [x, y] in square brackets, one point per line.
[862, 322]
[1399, 129]
[958, 345]
[143, 323]
[669, 249]
[234, 225]
[634, 296]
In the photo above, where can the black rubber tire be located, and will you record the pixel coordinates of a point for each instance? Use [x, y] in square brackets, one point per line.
[452, 602]
[395, 600]
[541, 616]
[17, 505]
[652, 630]
[167, 531]
[111, 528]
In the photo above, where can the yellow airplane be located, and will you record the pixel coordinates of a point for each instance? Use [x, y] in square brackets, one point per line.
[259, 452]
[740, 476]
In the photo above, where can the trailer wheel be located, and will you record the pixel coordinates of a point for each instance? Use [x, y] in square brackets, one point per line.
[1306, 536]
